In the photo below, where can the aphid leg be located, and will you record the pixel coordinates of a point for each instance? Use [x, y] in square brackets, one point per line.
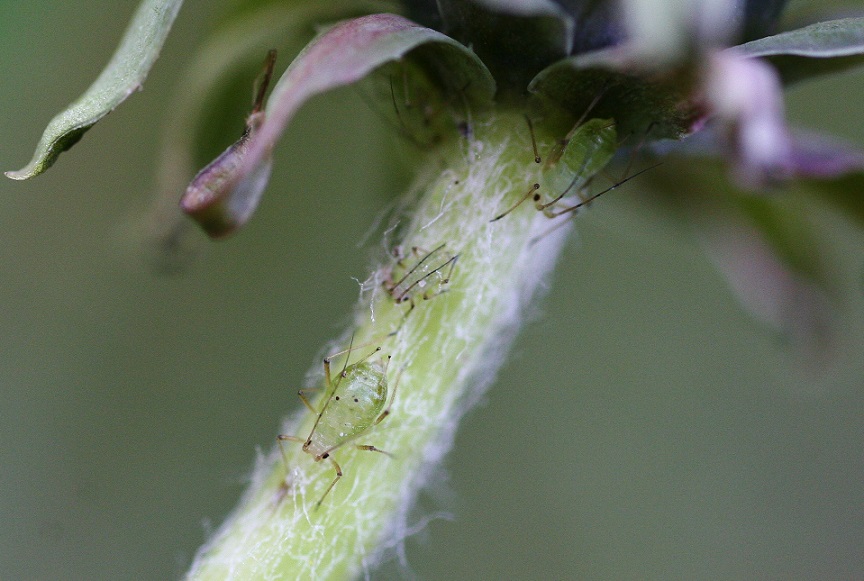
[527, 195]
[301, 393]
[593, 197]
[579, 194]
[332, 484]
[416, 250]
[575, 208]
[638, 148]
[446, 280]
[286, 438]
[537, 158]
[437, 270]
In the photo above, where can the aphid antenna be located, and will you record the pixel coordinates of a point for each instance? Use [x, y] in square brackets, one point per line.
[416, 266]
[593, 197]
[600, 94]
[573, 209]
[638, 147]
[537, 158]
[527, 195]
[259, 89]
[451, 261]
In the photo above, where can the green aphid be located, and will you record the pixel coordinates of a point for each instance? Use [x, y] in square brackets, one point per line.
[353, 402]
[571, 166]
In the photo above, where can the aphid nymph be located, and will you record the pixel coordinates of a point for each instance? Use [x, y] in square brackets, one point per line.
[572, 166]
[427, 277]
[354, 401]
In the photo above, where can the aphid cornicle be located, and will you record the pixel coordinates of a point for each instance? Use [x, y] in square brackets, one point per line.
[353, 402]
[425, 278]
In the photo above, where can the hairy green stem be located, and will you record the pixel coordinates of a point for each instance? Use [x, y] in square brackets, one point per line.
[443, 352]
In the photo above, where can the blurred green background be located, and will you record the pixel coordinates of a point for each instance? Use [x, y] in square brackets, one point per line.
[645, 427]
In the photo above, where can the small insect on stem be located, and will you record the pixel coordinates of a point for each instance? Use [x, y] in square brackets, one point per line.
[425, 278]
[354, 401]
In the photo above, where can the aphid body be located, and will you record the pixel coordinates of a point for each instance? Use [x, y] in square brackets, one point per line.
[353, 402]
[571, 166]
[582, 155]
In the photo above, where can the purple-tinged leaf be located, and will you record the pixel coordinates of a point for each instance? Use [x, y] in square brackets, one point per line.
[746, 104]
[814, 155]
[342, 55]
[745, 101]
[765, 263]
[212, 96]
[818, 49]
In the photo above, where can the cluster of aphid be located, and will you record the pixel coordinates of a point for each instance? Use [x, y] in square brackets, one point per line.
[356, 399]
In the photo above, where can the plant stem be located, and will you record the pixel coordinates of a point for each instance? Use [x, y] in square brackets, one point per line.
[444, 351]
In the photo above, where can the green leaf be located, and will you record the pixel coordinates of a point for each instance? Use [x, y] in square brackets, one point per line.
[597, 83]
[818, 49]
[342, 55]
[123, 75]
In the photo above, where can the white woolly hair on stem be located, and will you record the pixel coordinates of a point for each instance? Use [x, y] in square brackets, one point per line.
[444, 352]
